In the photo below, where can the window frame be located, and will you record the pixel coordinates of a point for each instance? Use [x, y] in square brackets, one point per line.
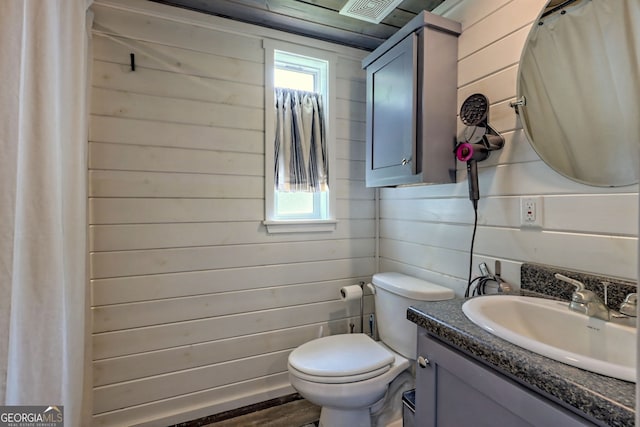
[272, 222]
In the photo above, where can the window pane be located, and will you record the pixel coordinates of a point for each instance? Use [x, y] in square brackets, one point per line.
[294, 80]
[294, 204]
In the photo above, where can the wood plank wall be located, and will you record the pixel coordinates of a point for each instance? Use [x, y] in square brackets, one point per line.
[426, 231]
[195, 307]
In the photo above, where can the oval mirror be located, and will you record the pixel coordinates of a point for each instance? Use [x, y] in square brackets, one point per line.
[580, 84]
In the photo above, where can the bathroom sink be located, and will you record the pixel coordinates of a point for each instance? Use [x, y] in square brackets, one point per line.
[549, 328]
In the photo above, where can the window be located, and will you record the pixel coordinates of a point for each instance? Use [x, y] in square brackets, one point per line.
[295, 71]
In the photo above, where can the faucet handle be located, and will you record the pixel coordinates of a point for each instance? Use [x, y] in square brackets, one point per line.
[629, 305]
[578, 284]
[581, 295]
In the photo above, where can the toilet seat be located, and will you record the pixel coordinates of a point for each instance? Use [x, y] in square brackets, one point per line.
[338, 380]
[339, 359]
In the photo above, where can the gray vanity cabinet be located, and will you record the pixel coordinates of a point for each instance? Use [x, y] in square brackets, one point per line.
[454, 390]
[411, 104]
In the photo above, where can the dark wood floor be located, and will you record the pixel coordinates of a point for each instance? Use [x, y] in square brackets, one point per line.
[286, 411]
[296, 413]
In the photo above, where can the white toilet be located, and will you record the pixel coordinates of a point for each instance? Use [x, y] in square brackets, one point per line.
[348, 374]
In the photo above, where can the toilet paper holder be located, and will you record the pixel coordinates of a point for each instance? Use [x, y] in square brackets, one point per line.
[345, 296]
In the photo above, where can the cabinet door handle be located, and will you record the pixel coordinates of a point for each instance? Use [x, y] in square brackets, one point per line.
[406, 161]
[423, 361]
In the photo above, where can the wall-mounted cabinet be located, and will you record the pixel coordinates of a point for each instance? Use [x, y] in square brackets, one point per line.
[411, 104]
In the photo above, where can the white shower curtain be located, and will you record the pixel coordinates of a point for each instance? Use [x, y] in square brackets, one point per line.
[43, 138]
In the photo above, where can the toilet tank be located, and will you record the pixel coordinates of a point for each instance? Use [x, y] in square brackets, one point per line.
[394, 293]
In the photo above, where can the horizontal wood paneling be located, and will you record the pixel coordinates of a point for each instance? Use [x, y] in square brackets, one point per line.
[165, 210]
[544, 247]
[147, 313]
[117, 396]
[354, 190]
[187, 286]
[154, 56]
[433, 258]
[144, 27]
[160, 236]
[141, 365]
[160, 286]
[350, 130]
[162, 159]
[157, 337]
[500, 84]
[354, 88]
[118, 103]
[158, 184]
[469, 13]
[350, 169]
[199, 404]
[496, 56]
[156, 261]
[350, 110]
[351, 150]
[153, 133]
[351, 68]
[502, 22]
[609, 213]
[107, 75]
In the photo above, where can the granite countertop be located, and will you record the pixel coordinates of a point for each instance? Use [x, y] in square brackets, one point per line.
[608, 400]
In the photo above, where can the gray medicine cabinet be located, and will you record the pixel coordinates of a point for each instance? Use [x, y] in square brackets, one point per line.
[411, 104]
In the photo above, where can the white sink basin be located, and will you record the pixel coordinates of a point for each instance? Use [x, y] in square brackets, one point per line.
[549, 328]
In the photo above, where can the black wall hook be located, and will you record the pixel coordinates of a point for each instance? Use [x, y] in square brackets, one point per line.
[132, 56]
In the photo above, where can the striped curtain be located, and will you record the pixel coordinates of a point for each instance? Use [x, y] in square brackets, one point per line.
[300, 142]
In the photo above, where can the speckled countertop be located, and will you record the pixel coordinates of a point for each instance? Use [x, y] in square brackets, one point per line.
[607, 400]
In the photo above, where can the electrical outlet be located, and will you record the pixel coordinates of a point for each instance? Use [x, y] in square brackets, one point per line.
[531, 211]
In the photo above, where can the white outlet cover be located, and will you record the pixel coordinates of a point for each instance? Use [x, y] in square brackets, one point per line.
[531, 211]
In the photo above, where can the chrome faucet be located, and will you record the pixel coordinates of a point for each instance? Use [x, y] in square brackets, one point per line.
[585, 301]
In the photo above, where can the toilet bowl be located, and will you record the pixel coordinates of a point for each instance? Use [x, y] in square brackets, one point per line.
[346, 399]
[349, 374]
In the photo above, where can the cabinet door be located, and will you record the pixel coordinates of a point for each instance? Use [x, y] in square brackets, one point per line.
[391, 115]
[453, 390]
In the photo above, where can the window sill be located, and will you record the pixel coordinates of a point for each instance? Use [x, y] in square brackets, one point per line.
[301, 226]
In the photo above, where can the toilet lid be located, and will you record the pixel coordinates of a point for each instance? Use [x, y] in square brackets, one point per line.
[340, 356]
